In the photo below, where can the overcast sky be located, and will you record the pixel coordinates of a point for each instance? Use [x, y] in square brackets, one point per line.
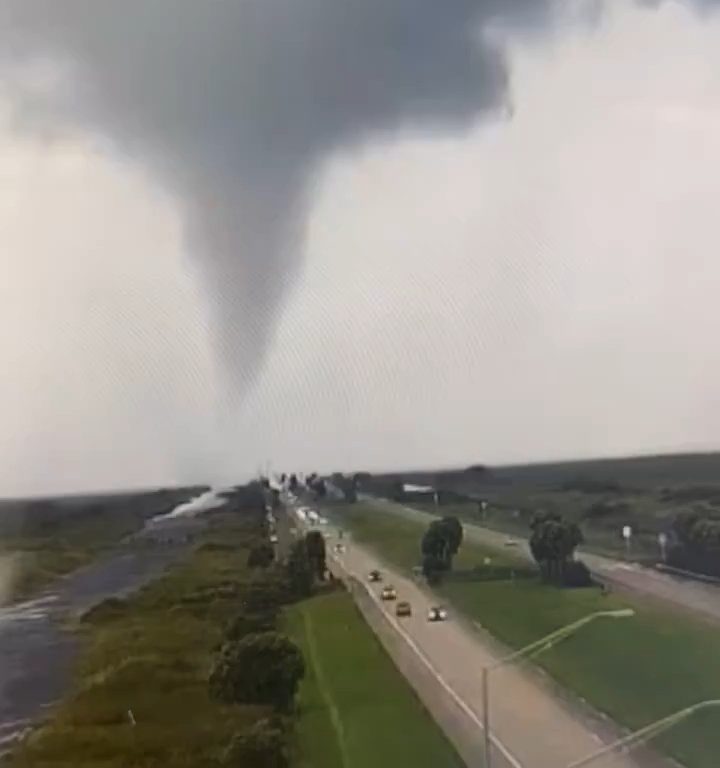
[514, 260]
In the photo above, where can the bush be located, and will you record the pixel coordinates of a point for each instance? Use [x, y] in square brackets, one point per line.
[249, 623]
[264, 668]
[261, 556]
[263, 745]
[577, 574]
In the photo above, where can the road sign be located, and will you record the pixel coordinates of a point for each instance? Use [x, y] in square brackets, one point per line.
[627, 533]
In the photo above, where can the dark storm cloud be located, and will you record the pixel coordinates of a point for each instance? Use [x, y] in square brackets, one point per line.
[232, 104]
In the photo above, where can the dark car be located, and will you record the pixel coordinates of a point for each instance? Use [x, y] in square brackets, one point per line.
[403, 608]
[374, 576]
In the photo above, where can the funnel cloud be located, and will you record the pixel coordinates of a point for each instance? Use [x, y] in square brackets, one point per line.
[233, 105]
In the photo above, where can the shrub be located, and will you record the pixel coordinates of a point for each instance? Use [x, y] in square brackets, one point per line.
[577, 574]
[263, 745]
[264, 668]
[261, 556]
[249, 623]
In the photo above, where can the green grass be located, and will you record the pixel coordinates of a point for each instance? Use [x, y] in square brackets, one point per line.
[601, 536]
[636, 670]
[356, 710]
[49, 539]
[150, 654]
[397, 539]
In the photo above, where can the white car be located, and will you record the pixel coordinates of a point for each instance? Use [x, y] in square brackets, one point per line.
[273, 539]
[437, 613]
[510, 543]
[323, 521]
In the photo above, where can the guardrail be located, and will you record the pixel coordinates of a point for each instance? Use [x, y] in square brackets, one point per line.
[687, 574]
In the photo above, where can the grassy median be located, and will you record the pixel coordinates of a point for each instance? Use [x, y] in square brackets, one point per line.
[356, 709]
[636, 670]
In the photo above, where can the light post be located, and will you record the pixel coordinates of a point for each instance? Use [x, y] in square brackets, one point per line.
[647, 732]
[543, 644]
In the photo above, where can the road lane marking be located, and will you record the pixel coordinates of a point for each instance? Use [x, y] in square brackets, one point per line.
[432, 669]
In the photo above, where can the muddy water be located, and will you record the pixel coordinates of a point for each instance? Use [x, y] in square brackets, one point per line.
[36, 649]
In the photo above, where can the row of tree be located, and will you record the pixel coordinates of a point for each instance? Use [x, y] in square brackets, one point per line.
[696, 545]
[256, 663]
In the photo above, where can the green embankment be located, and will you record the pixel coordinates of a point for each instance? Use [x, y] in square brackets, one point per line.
[48, 539]
[356, 710]
[152, 654]
[636, 670]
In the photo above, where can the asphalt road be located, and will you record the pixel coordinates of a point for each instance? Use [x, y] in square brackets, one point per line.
[531, 728]
[702, 599]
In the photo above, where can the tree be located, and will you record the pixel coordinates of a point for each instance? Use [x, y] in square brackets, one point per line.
[260, 556]
[361, 479]
[299, 570]
[250, 623]
[265, 593]
[320, 488]
[552, 543]
[433, 567]
[315, 546]
[263, 745]
[443, 539]
[264, 668]
[293, 483]
[453, 533]
[438, 547]
[397, 490]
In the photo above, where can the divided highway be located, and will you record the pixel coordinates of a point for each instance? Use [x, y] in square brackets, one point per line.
[531, 728]
[703, 599]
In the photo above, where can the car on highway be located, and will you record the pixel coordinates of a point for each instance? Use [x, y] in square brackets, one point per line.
[339, 548]
[403, 608]
[510, 542]
[374, 576]
[273, 539]
[437, 613]
[388, 593]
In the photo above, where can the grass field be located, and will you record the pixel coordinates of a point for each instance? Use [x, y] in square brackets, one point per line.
[356, 710]
[47, 539]
[152, 655]
[636, 670]
[601, 495]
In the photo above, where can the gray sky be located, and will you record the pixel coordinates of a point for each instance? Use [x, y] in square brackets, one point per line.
[407, 275]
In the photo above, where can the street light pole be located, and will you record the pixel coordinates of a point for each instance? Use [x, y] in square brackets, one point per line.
[486, 715]
[543, 644]
[646, 732]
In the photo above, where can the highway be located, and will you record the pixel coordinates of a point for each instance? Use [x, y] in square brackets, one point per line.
[531, 727]
[701, 599]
